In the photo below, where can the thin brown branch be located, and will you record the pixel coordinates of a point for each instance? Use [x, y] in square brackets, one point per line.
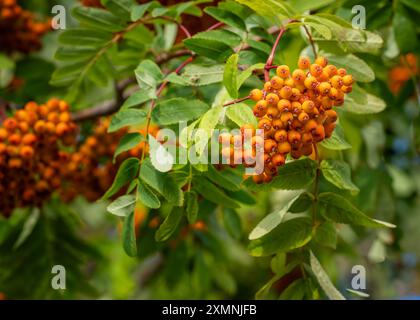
[311, 40]
[270, 58]
[236, 101]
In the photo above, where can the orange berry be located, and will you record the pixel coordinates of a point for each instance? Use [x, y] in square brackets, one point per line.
[348, 80]
[298, 75]
[331, 70]
[310, 83]
[293, 137]
[347, 89]
[315, 69]
[324, 88]
[273, 112]
[277, 124]
[341, 72]
[311, 125]
[272, 99]
[303, 117]
[276, 82]
[278, 159]
[286, 117]
[286, 92]
[322, 61]
[264, 124]
[15, 139]
[319, 133]
[284, 105]
[280, 136]
[256, 94]
[270, 145]
[283, 71]
[258, 179]
[296, 107]
[304, 63]
[308, 106]
[3, 134]
[10, 124]
[284, 147]
[26, 152]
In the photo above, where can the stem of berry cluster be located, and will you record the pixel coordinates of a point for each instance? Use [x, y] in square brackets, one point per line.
[270, 58]
[311, 41]
[316, 183]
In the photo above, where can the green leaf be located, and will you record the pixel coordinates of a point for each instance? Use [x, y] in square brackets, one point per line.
[82, 37]
[287, 236]
[272, 220]
[241, 114]
[355, 66]
[198, 75]
[339, 174]
[242, 196]
[244, 75]
[358, 294]
[129, 235]
[228, 182]
[78, 54]
[148, 75]
[230, 76]
[304, 5]
[212, 49]
[28, 227]
[120, 8]
[7, 67]
[323, 30]
[207, 124]
[161, 182]
[361, 102]
[128, 142]
[413, 4]
[326, 235]
[294, 291]
[232, 223]
[122, 206]
[169, 225]
[293, 175]
[138, 98]
[191, 201]
[405, 30]
[98, 19]
[127, 117]
[323, 279]
[226, 17]
[302, 203]
[126, 172]
[336, 141]
[270, 8]
[175, 110]
[138, 11]
[147, 196]
[339, 209]
[212, 193]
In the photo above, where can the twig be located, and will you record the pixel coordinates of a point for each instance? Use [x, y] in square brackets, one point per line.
[270, 58]
[311, 40]
[215, 26]
[180, 25]
[236, 101]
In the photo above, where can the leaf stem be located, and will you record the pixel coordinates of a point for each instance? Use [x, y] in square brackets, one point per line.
[311, 40]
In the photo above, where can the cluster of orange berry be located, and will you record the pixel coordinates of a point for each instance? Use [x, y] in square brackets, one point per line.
[401, 73]
[30, 155]
[90, 170]
[19, 32]
[295, 110]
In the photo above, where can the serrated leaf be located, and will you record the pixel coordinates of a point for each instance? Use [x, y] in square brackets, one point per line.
[169, 225]
[339, 209]
[147, 196]
[138, 11]
[212, 193]
[129, 235]
[120, 8]
[83, 37]
[302, 203]
[336, 141]
[355, 66]
[122, 206]
[175, 110]
[287, 236]
[198, 75]
[323, 279]
[226, 17]
[98, 18]
[270, 8]
[127, 117]
[148, 75]
[221, 179]
[326, 235]
[126, 172]
[339, 174]
[138, 98]
[323, 30]
[241, 114]
[293, 175]
[270, 221]
[230, 75]
[361, 102]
